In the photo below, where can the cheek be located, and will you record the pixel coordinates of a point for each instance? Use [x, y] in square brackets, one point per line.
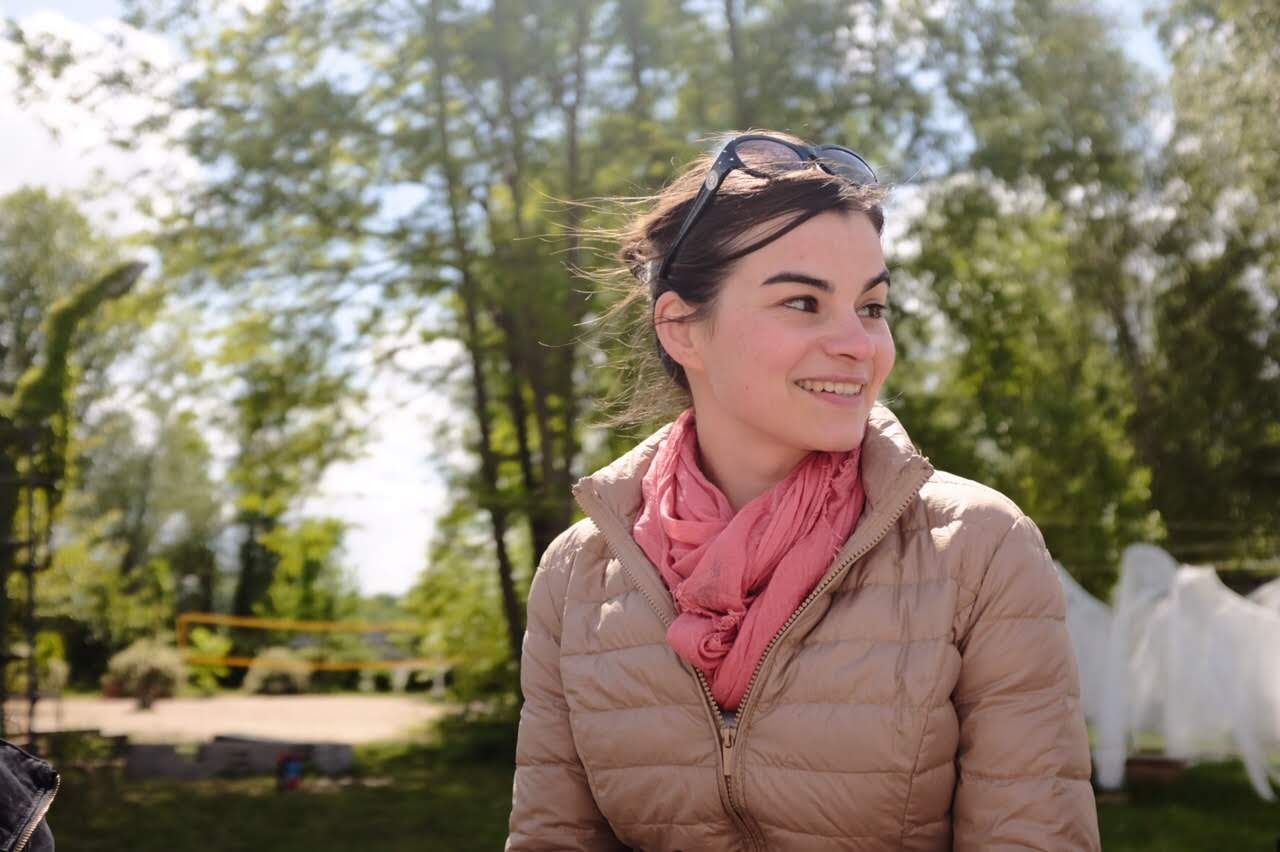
[757, 349]
[886, 354]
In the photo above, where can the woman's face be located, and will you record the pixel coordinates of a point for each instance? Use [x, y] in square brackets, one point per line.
[797, 345]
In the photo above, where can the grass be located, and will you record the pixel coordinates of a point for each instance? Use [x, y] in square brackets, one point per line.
[1211, 807]
[453, 792]
[450, 793]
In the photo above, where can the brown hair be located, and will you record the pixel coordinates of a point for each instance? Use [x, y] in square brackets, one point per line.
[656, 386]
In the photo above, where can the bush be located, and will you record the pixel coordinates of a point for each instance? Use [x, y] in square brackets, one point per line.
[276, 671]
[335, 648]
[471, 737]
[206, 643]
[146, 670]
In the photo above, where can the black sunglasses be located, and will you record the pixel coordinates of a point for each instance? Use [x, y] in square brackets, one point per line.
[761, 155]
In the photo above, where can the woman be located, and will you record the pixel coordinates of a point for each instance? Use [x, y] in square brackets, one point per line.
[778, 626]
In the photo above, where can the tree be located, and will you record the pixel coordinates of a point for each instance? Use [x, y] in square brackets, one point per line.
[1217, 319]
[293, 416]
[49, 257]
[35, 394]
[1003, 378]
[378, 177]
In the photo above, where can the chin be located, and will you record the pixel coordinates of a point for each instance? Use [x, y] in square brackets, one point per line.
[841, 441]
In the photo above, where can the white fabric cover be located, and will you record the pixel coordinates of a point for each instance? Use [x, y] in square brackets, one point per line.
[1089, 623]
[1134, 665]
[1187, 660]
[1224, 654]
[1267, 595]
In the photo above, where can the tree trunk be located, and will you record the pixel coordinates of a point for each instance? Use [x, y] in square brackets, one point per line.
[8, 515]
[567, 355]
[470, 294]
[737, 67]
[630, 13]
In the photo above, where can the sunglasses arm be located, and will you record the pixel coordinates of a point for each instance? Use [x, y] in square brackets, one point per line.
[724, 164]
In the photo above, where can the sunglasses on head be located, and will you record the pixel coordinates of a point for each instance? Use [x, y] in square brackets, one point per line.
[763, 156]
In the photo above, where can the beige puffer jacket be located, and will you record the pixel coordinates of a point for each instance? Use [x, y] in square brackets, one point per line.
[923, 697]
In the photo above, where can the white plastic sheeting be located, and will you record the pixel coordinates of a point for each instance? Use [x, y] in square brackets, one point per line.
[1224, 677]
[1180, 657]
[1267, 595]
[1089, 623]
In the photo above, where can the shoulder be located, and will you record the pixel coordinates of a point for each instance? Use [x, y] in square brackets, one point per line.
[978, 527]
[956, 502]
[582, 540]
[581, 547]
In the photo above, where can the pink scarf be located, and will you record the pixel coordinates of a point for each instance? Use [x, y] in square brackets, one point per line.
[721, 566]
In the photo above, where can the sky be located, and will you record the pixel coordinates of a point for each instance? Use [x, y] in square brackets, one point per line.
[394, 493]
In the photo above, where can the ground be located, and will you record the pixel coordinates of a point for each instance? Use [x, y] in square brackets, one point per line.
[449, 787]
[351, 719]
[412, 799]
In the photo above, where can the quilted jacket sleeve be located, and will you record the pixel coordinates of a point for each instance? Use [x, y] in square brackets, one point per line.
[1023, 760]
[552, 805]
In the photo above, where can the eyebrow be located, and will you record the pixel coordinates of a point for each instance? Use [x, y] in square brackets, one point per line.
[821, 283]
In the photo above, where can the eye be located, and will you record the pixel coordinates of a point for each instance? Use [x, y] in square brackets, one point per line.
[808, 304]
[873, 311]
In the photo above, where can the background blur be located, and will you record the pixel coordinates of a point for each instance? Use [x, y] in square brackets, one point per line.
[359, 372]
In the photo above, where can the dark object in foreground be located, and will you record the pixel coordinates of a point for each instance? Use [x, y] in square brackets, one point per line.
[1153, 769]
[27, 787]
[289, 768]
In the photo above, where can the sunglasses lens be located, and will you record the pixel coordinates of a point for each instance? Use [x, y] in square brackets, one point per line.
[765, 156]
[848, 165]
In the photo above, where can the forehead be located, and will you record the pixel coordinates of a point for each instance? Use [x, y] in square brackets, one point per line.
[843, 248]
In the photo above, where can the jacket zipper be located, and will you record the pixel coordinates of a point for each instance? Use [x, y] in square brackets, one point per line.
[727, 734]
[38, 815]
[817, 593]
[730, 736]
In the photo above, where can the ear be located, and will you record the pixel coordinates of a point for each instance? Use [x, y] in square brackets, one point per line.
[677, 338]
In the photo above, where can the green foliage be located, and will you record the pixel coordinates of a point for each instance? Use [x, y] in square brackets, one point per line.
[206, 643]
[146, 670]
[309, 582]
[51, 665]
[1087, 312]
[1217, 321]
[278, 670]
[84, 587]
[337, 648]
[1003, 379]
[293, 416]
[460, 603]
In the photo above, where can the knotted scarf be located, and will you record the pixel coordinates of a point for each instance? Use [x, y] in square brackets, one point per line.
[737, 577]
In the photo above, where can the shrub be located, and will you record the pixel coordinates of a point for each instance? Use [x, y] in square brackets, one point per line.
[206, 643]
[278, 670]
[335, 648]
[146, 670]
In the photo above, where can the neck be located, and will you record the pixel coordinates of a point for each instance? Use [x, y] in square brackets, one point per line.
[742, 463]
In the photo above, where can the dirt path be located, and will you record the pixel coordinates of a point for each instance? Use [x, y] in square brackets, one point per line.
[315, 718]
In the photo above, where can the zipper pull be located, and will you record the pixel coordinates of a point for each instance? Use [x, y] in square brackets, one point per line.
[726, 749]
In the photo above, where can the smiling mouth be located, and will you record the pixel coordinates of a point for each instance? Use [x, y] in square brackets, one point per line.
[847, 389]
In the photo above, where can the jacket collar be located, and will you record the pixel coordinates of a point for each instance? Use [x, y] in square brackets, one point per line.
[892, 473]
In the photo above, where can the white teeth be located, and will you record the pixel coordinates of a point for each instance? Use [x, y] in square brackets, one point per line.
[839, 388]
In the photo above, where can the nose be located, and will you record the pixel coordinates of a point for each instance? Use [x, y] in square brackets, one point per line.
[848, 337]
